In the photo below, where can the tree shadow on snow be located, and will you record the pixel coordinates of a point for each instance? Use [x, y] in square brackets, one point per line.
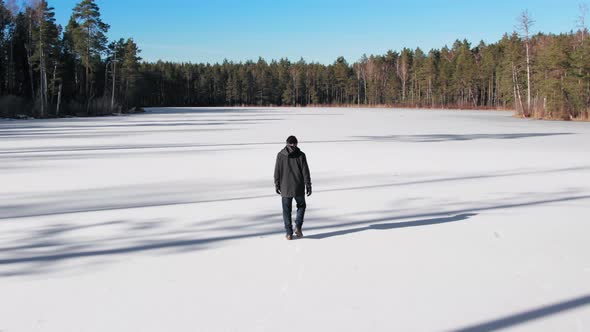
[254, 111]
[35, 250]
[390, 226]
[430, 138]
[161, 194]
[526, 316]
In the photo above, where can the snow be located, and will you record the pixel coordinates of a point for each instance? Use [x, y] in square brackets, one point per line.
[419, 221]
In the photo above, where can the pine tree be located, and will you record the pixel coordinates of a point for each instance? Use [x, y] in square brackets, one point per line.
[393, 84]
[445, 74]
[344, 88]
[285, 82]
[488, 63]
[464, 74]
[4, 22]
[552, 66]
[89, 38]
[8, 37]
[418, 77]
[46, 51]
[130, 72]
[115, 53]
[512, 73]
[262, 82]
[430, 75]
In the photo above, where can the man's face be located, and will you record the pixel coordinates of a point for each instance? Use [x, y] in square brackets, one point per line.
[293, 145]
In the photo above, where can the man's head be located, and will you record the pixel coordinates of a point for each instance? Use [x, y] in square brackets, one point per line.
[292, 141]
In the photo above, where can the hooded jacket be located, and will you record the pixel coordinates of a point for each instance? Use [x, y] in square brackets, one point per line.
[292, 172]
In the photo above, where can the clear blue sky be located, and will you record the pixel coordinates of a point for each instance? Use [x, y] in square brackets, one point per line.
[317, 30]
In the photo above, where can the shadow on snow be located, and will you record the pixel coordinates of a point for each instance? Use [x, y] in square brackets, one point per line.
[188, 239]
[526, 316]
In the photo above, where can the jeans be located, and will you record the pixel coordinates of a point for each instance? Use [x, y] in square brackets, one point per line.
[288, 208]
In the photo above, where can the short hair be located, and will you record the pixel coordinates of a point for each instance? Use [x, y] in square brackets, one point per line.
[292, 140]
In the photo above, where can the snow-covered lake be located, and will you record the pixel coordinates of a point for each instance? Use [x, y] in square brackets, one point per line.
[419, 221]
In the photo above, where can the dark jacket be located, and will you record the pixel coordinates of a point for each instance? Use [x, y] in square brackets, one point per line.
[292, 173]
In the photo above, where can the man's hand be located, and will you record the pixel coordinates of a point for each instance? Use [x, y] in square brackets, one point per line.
[308, 189]
[278, 190]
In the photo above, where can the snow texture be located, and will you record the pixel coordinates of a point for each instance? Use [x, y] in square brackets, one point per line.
[419, 221]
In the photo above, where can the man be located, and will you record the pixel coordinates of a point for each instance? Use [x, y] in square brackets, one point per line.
[292, 180]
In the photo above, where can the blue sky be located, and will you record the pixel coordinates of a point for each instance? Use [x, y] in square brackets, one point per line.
[320, 30]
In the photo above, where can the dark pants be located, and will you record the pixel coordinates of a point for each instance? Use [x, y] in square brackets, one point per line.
[288, 208]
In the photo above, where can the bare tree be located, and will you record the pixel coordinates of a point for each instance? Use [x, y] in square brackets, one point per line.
[364, 72]
[13, 7]
[403, 70]
[516, 87]
[39, 9]
[357, 69]
[360, 69]
[581, 23]
[370, 71]
[525, 23]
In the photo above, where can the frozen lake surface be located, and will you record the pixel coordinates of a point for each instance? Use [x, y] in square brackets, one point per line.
[419, 221]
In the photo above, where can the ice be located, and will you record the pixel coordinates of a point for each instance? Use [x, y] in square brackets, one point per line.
[419, 221]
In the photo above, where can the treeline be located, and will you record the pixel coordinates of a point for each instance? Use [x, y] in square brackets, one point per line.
[490, 76]
[49, 71]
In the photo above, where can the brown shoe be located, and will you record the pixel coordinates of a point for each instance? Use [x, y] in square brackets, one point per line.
[289, 237]
[298, 233]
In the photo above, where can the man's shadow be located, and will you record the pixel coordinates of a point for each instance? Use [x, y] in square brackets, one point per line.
[423, 222]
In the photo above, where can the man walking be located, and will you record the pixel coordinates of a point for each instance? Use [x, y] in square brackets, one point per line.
[292, 180]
